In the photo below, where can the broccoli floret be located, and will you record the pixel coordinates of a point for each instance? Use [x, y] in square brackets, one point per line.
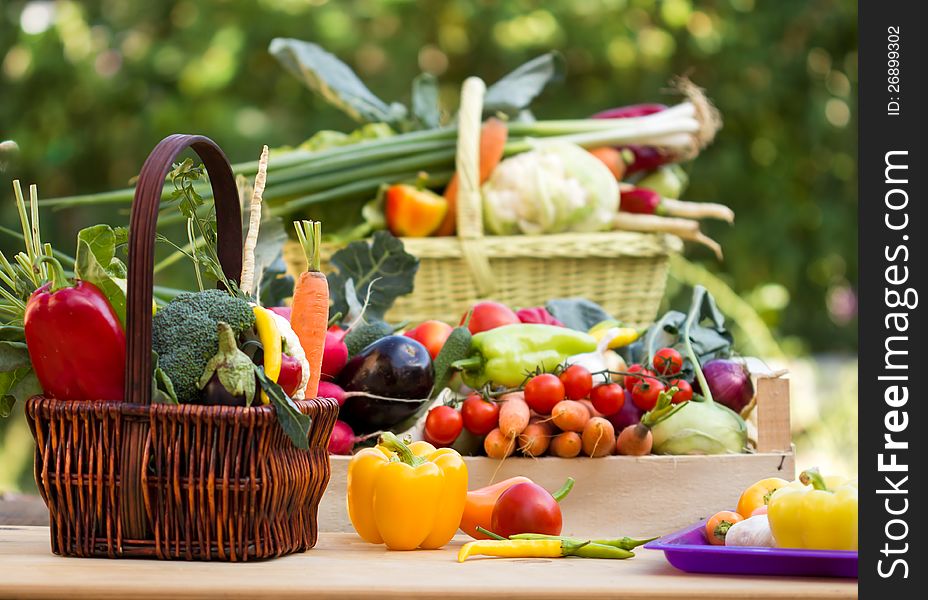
[184, 335]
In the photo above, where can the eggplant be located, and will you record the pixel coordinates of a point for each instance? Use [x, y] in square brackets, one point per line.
[396, 372]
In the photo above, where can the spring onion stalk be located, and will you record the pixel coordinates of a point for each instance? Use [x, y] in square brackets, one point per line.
[299, 178]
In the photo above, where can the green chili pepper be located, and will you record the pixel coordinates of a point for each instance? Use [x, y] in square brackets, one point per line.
[507, 354]
[594, 550]
[623, 543]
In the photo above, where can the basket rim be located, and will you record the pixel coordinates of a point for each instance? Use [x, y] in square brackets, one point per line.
[132, 409]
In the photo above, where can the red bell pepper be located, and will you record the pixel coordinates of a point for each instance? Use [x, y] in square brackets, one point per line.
[76, 343]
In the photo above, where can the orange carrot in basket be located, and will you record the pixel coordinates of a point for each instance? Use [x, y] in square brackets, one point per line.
[493, 136]
[309, 314]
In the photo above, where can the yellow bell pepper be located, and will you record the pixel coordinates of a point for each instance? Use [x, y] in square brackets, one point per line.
[270, 338]
[406, 496]
[626, 335]
[758, 495]
[815, 513]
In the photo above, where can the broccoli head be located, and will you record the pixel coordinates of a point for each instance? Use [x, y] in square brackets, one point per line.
[184, 335]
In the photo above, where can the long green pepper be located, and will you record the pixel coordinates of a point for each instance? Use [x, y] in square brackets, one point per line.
[507, 355]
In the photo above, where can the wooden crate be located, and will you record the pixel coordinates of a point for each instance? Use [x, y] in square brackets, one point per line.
[648, 495]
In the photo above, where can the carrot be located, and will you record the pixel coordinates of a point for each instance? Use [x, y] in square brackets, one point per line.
[534, 439]
[309, 314]
[513, 414]
[566, 445]
[570, 415]
[493, 136]
[589, 406]
[598, 437]
[612, 158]
[498, 445]
[635, 440]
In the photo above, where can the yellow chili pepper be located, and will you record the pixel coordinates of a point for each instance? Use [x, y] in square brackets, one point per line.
[406, 496]
[816, 513]
[269, 335]
[554, 548]
[626, 335]
[758, 495]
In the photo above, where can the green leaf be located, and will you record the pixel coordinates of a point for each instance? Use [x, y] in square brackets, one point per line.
[276, 285]
[18, 385]
[334, 81]
[383, 259]
[101, 242]
[88, 268]
[425, 107]
[13, 356]
[577, 313]
[294, 423]
[162, 387]
[12, 333]
[516, 90]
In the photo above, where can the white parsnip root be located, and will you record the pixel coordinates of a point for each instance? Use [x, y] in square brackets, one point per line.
[686, 229]
[254, 225]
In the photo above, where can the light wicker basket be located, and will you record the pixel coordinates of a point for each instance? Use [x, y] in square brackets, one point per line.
[625, 272]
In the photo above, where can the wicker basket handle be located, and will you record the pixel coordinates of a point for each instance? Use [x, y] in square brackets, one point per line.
[142, 225]
[469, 203]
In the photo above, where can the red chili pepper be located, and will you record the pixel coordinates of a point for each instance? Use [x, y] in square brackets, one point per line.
[646, 158]
[76, 343]
[537, 315]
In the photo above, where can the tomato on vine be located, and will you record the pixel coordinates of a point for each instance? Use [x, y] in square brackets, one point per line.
[578, 381]
[667, 361]
[480, 416]
[646, 392]
[636, 373]
[684, 391]
[443, 425]
[608, 399]
[542, 392]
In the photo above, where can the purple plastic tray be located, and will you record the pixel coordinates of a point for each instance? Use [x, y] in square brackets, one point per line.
[689, 551]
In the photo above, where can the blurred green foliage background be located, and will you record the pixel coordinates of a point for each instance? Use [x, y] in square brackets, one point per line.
[87, 89]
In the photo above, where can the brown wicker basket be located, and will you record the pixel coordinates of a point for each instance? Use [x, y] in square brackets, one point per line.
[623, 271]
[136, 479]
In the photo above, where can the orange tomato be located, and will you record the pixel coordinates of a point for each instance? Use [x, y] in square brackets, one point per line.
[758, 495]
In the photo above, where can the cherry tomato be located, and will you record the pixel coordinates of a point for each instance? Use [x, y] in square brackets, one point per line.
[431, 334]
[542, 392]
[480, 416]
[685, 391]
[645, 393]
[443, 425]
[608, 399]
[667, 361]
[718, 525]
[578, 381]
[488, 315]
[630, 380]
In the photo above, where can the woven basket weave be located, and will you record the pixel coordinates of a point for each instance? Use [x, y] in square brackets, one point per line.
[136, 479]
[625, 272]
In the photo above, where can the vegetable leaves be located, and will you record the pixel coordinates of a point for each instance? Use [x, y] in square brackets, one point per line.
[515, 91]
[332, 79]
[294, 423]
[577, 313]
[96, 263]
[383, 262]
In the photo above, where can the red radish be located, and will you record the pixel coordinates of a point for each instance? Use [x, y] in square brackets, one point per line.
[334, 355]
[338, 332]
[567, 444]
[342, 440]
[636, 440]
[283, 311]
[640, 201]
[291, 374]
[488, 315]
[431, 334]
[598, 438]
[327, 389]
[645, 158]
[643, 201]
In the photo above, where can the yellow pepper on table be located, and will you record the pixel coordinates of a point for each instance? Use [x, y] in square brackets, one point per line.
[406, 496]
[815, 513]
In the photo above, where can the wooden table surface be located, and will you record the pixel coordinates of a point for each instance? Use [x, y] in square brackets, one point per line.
[341, 566]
